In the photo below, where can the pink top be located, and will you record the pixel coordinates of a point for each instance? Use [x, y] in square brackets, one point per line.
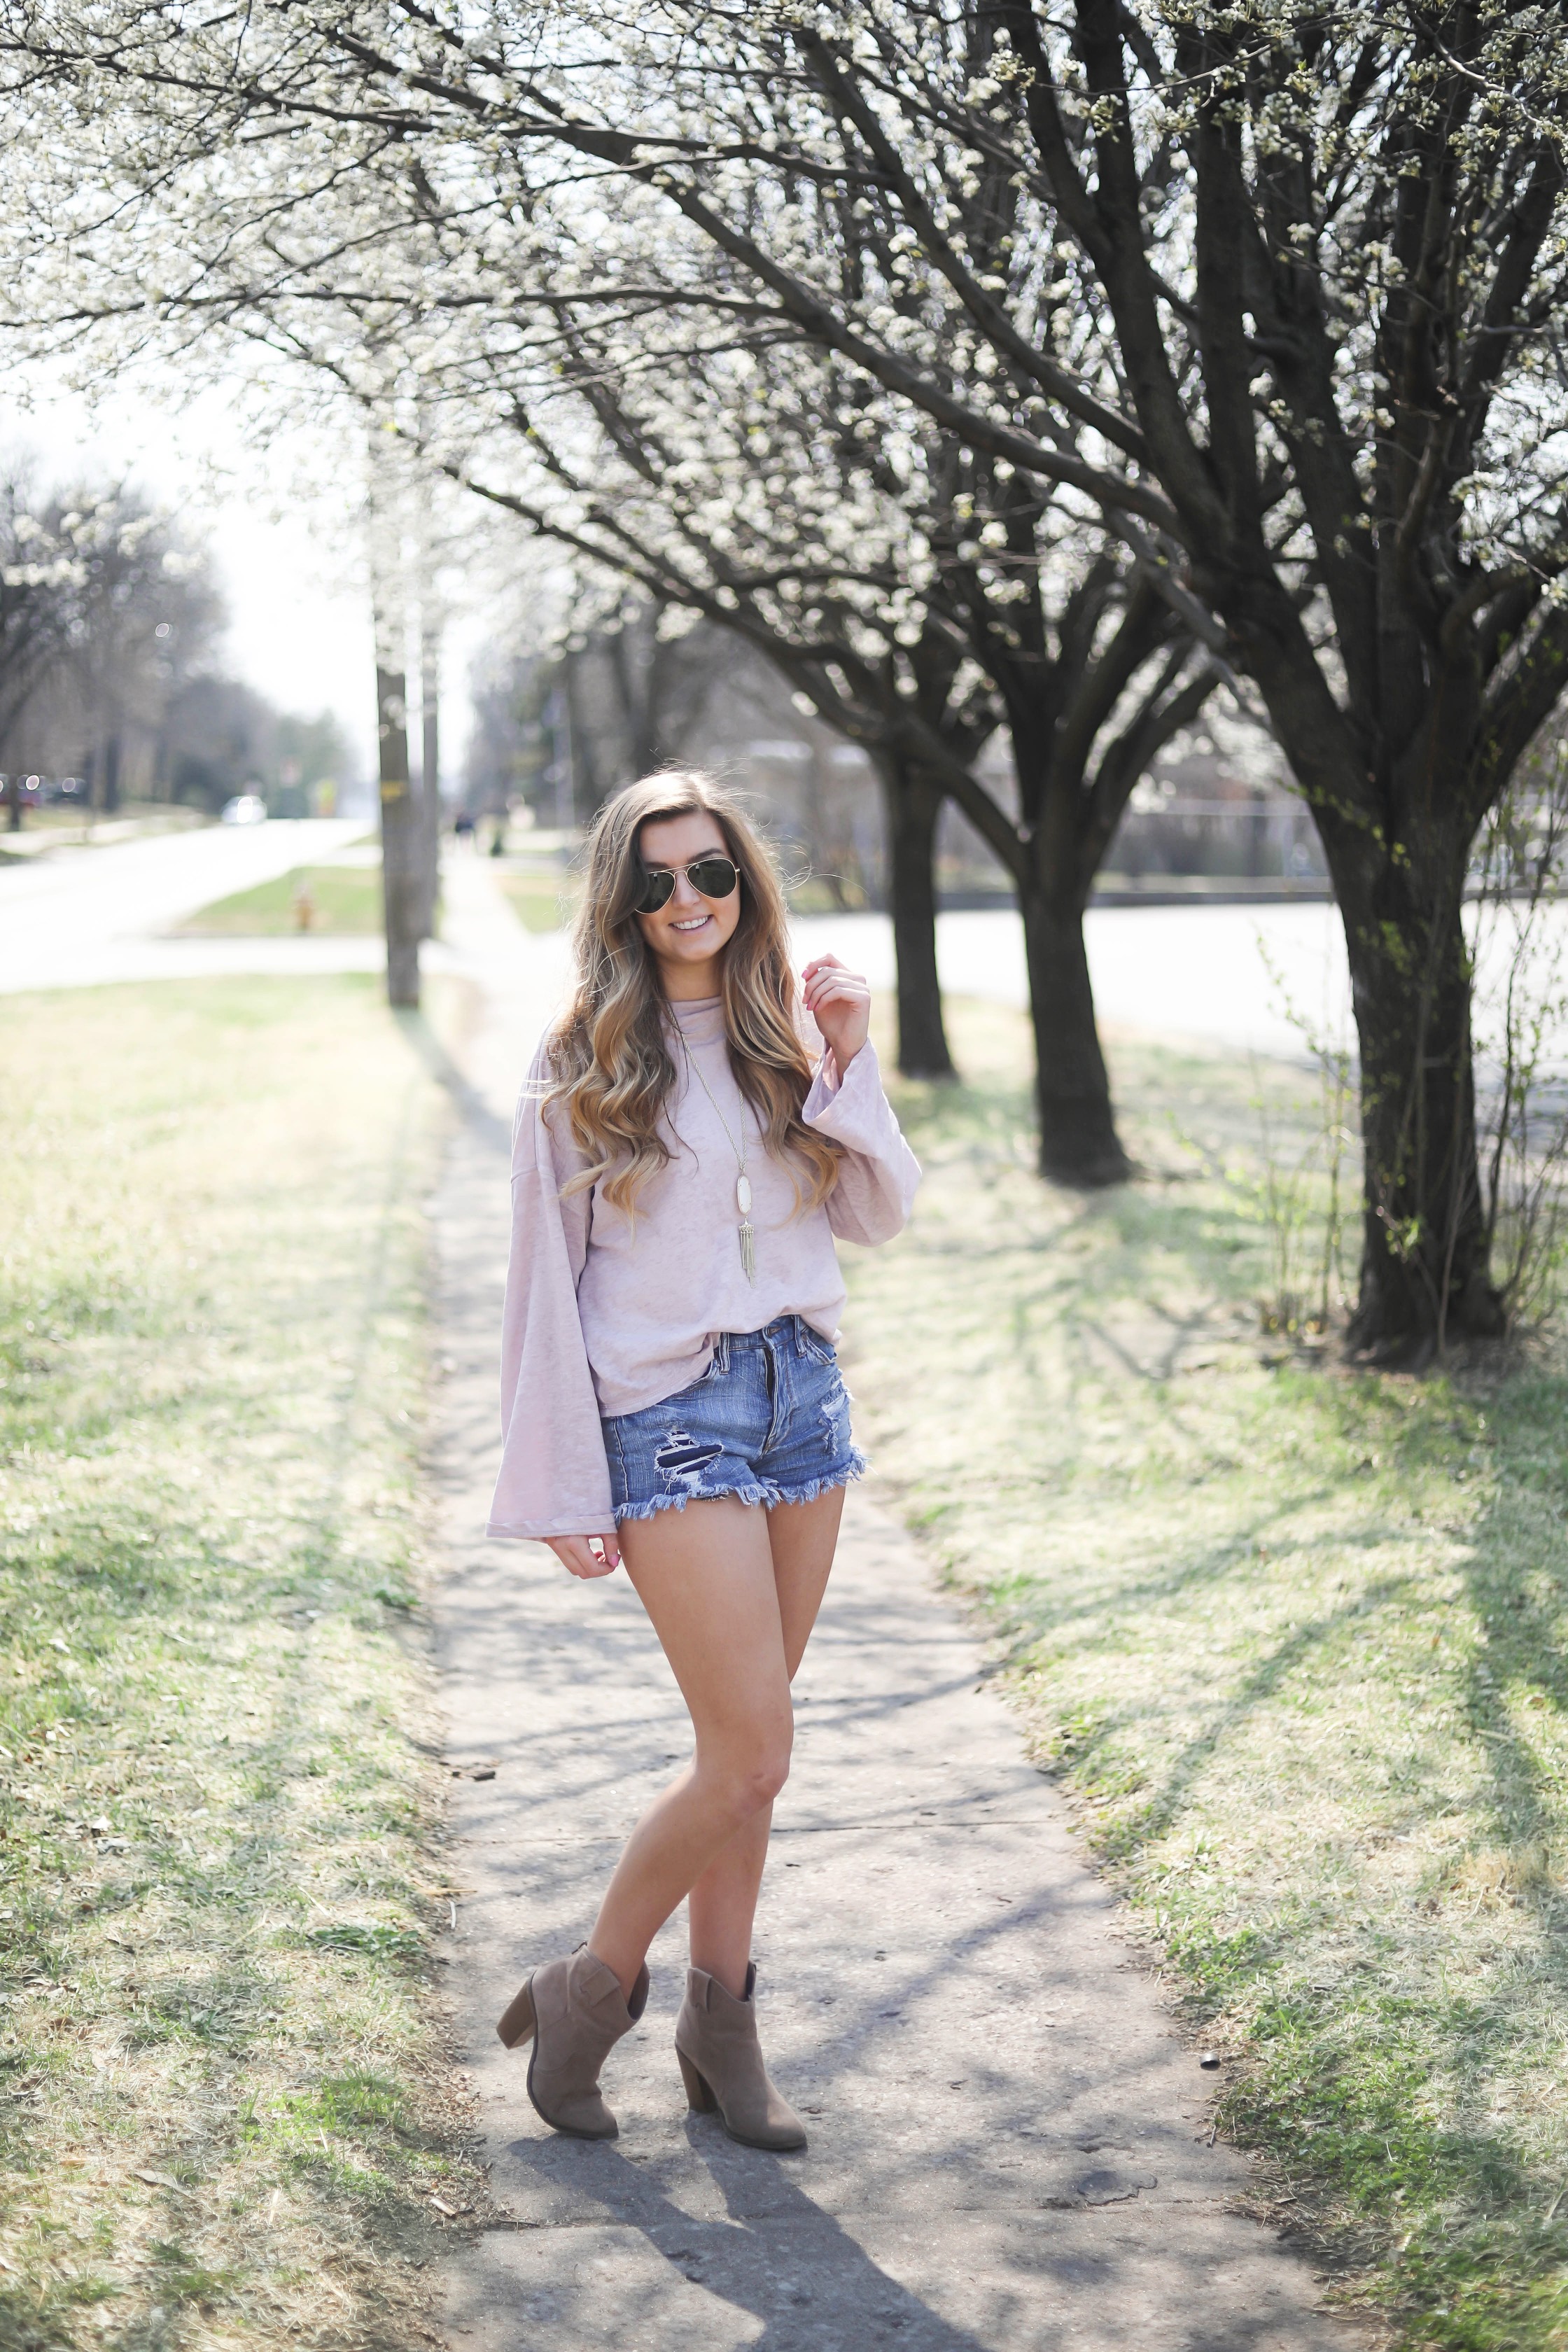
[606, 1313]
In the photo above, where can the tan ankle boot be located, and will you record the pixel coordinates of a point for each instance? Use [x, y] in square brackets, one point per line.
[575, 2013]
[722, 2065]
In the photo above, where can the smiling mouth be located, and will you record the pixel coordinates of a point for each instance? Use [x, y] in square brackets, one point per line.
[693, 923]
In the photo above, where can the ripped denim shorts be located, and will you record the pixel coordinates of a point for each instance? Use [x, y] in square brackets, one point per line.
[768, 1422]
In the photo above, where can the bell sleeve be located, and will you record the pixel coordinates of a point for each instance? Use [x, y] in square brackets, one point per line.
[553, 1477]
[877, 1173]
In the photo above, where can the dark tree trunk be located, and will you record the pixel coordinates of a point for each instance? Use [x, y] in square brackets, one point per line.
[1078, 1143]
[1398, 868]
[401, 830]
[912, 802]
[104, 787]
[1425, 1274]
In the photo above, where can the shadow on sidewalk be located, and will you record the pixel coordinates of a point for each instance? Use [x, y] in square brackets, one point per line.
[777, 2257]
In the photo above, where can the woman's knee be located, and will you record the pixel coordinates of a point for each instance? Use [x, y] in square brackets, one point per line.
[766, 1777]
[751, 1774]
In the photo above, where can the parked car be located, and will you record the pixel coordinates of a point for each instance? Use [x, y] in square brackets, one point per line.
[17, 794]
[246, 808]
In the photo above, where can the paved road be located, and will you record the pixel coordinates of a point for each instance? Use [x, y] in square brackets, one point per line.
[1009, 2140]
[79, 917]
[1226, 975]
[1195, 971]
[1198, 972]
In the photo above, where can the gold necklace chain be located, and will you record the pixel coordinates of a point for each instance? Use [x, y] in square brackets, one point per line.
[743, 1181]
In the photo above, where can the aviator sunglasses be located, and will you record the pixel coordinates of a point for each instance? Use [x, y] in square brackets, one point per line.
[713, 877]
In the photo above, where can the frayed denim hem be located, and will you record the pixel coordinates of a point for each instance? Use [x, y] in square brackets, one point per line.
[767, 1493]
[846, 1473]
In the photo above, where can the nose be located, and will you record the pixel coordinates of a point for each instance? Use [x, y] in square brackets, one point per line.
[684, 896]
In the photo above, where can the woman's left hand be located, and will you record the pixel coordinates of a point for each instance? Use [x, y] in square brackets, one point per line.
[840, 1001]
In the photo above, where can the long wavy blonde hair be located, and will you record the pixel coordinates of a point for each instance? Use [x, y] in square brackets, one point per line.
[613, 1068]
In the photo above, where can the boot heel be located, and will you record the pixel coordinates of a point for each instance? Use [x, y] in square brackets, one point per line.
[698, 2097]
[518, 2023]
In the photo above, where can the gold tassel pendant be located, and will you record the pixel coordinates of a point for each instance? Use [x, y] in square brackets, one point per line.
[747, 1239]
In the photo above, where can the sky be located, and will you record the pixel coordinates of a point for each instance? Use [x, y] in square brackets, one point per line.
[279, 512]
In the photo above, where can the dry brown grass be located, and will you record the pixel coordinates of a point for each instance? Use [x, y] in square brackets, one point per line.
[224, 2106]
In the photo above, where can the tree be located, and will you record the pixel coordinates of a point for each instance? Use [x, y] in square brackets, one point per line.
[140, 612]
[881, 583]
[218, 737]
[104, 615]
[1322, 254]
[1337, 331]
[35, 577]
[917, 601]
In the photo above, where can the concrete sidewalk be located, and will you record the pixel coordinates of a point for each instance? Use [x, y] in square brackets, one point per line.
[1009, 2141]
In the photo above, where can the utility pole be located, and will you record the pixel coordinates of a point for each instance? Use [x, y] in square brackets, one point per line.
[401, 829]
[431, 619]
[431, 749]
[558, 719]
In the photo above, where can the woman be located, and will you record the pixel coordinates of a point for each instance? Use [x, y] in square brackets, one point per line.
[686, 1146]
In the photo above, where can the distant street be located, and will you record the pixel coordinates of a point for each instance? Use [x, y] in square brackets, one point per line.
[1191, 972]
[1224, 975]
[1184, 972]
[83, 917]
[79, 917]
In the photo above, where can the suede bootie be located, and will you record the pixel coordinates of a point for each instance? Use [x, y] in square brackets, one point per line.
[575, 2013]
[722, 2065]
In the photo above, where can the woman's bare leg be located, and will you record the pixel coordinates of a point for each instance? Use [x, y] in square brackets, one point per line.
[732, 1603]
[705, 1575]
[723, 1902]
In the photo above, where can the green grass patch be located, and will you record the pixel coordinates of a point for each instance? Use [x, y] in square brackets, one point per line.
[1293, 1637]
[342, 901]
[542, 901]
[223, 2102]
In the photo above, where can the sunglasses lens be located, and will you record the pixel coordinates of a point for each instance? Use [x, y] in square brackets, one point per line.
[657, 890]
[714, 877]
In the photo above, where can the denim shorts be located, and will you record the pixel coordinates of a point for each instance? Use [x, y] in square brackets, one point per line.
[768, 1422]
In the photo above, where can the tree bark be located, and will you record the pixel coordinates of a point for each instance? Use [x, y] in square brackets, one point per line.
[400, 842]
[912, 804]
[1078, 1143]
[1424, 1277]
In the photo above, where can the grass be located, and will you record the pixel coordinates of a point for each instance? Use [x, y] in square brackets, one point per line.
[1292, 1638]
[345, 901]
[541, 902]
[223, 2107]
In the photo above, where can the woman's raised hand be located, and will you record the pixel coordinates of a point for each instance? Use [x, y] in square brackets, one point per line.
[840, 1001]
[577, 1553]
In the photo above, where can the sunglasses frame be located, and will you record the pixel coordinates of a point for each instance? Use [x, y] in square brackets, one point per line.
[662, 872]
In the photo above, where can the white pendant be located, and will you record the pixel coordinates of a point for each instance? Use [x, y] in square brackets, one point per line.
[743, 1195]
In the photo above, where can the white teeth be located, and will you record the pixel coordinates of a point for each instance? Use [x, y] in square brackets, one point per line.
[694, 925]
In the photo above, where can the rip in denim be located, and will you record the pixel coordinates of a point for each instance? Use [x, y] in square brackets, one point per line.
[680, 1460]
[834, 1418]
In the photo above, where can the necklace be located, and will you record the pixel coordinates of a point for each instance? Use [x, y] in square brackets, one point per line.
[743, 1181]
